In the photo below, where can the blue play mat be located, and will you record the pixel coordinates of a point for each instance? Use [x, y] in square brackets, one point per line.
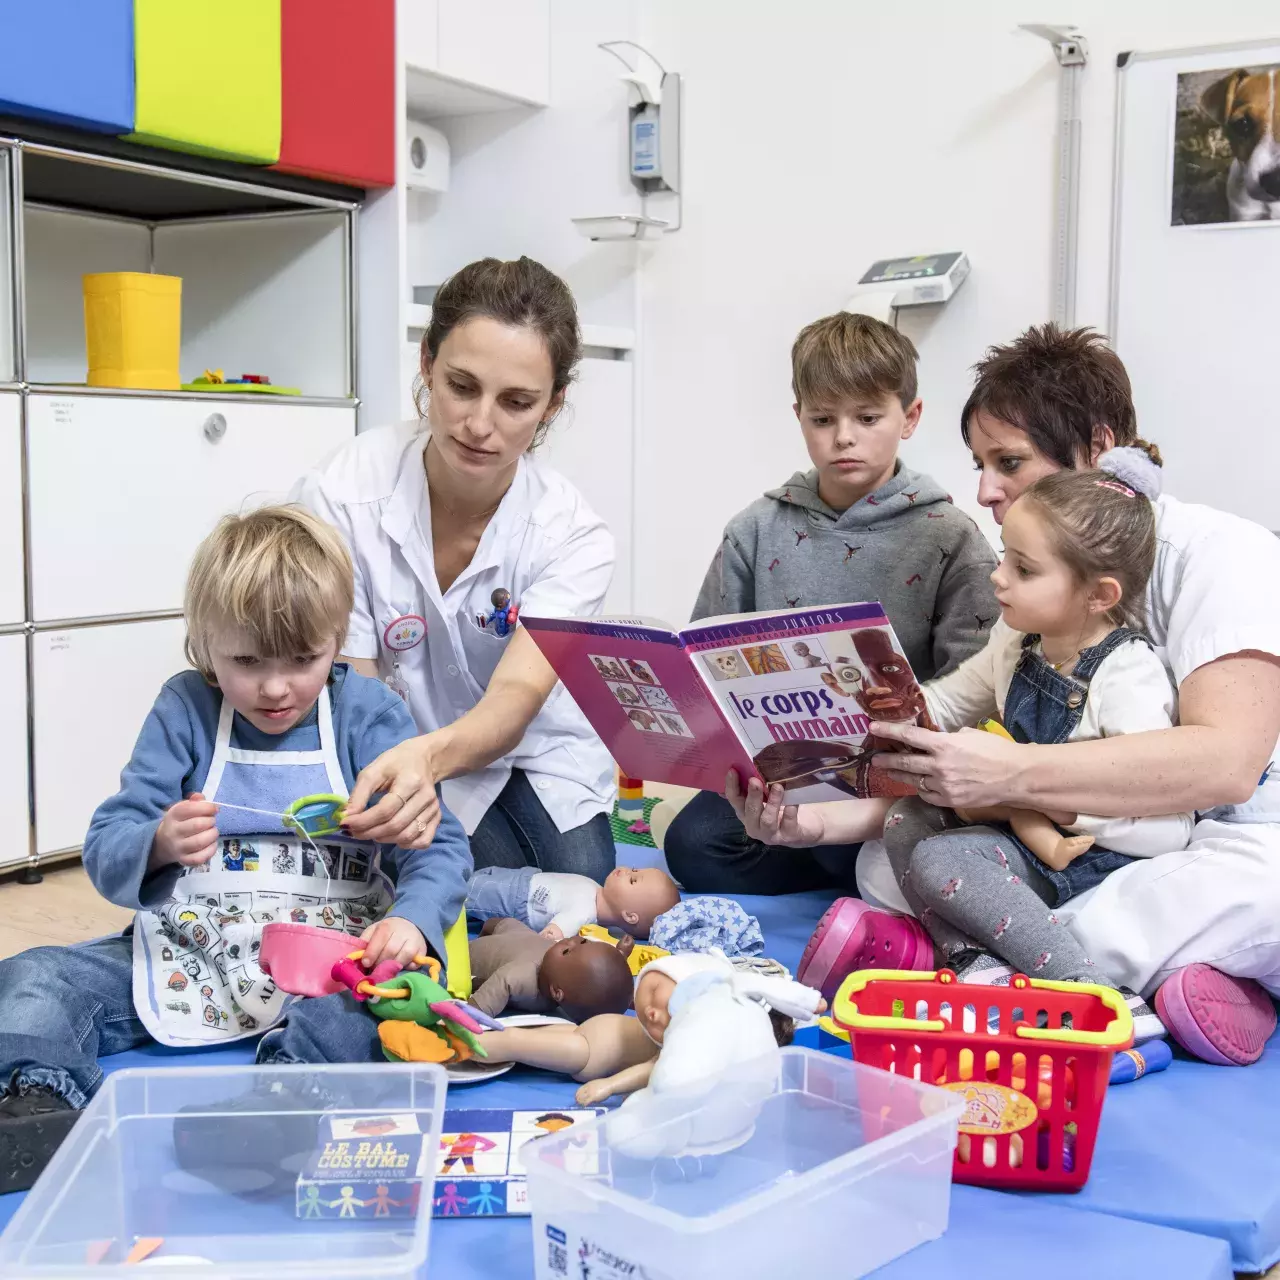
[1185, 1183]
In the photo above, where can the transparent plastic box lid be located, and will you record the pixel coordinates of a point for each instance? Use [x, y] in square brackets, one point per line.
[240, 1172]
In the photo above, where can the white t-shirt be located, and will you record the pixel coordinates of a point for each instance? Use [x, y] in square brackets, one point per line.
[544, 545]
[562, 899]
[1130, 693]
[1214, 593]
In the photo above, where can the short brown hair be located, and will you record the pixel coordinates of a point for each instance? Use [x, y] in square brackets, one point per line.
[852, 357]
[522, 294]
[1101, 529]
[280, 574]
[1057, 385]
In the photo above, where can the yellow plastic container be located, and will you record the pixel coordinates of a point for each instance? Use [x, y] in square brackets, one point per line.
[133, 329]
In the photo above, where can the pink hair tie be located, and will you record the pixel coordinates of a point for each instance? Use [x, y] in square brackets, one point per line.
[1119, 488]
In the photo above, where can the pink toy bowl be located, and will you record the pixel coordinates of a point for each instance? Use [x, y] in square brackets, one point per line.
[299, 958]
[853, 936]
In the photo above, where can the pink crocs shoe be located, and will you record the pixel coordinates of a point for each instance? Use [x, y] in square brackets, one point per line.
[1220, 1019]
[853, 936]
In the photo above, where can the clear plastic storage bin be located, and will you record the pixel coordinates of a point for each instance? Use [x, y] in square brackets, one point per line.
[206, 1161]
[847, 1167]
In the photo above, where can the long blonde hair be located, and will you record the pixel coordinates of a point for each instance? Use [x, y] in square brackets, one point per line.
[280, 574]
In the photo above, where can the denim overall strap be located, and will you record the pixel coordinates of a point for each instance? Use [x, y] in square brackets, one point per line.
[1091, 659]
[1043, 705]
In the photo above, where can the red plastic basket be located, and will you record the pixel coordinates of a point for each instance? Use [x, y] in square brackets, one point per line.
[1032, 1061]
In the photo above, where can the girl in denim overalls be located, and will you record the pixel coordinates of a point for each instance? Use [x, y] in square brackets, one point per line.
[1067, 662]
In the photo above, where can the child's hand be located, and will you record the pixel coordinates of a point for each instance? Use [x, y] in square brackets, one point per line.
[187, 834]
[392, 938]
[552, 931]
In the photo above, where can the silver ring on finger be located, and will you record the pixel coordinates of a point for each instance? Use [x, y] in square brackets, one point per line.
[395, 795]
[422, 825]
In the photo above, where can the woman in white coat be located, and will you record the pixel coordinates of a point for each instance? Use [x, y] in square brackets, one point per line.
[441, 516]
[1202, 922]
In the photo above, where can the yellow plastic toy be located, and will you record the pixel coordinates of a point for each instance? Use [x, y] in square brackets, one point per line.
[457, 960]
[639, 954]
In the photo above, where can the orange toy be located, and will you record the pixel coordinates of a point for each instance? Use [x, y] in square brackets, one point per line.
[1032, 1110]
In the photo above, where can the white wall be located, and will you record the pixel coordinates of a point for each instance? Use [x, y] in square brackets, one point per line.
[519, 176]
[825, 133]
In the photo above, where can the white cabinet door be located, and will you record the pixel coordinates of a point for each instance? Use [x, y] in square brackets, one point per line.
[92, 689]
[123, 490]
[499, 44]
[591, 446]
[12, 602]
[14, 835]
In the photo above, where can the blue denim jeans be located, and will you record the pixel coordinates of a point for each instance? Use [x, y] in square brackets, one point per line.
[498, 893]
[709, 851]
[63, 1008]
[518, 832]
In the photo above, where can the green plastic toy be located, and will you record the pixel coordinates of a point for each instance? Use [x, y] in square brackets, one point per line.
[425, 1025]
[316, 816]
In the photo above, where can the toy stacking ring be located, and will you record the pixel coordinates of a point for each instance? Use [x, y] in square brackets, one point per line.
[316, 815]
[429, 963]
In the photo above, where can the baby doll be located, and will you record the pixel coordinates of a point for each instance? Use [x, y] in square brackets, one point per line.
[513, 967]
[1036, 830]
[557, 904]
[618, 1055]
[719, 1061]
[580, 978]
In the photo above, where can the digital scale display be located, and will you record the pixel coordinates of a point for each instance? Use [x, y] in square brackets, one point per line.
[895, 270]
[907, 267]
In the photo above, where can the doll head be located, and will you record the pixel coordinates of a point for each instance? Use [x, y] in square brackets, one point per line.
[635, 898]
[585, 978]
[653, 1008]
[653, 998]
[782, 999]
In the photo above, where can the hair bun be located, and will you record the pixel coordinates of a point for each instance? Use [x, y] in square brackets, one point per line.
[1135, 467]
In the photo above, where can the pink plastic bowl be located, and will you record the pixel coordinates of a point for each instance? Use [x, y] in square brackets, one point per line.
[299, 958]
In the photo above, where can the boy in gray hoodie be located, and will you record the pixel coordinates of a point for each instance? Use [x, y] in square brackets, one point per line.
[858, 526]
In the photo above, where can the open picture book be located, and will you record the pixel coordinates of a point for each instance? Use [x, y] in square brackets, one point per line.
[786, 696]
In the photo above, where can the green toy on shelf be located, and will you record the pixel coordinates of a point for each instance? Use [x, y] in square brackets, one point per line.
[257, 383]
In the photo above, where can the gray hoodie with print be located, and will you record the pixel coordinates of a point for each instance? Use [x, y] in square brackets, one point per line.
[905, 545]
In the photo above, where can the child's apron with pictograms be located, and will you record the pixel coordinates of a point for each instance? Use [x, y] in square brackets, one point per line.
[196, 978]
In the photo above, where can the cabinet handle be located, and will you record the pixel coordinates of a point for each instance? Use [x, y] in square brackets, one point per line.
[215, 427]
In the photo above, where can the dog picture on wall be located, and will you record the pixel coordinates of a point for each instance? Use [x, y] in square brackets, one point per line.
[1226, 147]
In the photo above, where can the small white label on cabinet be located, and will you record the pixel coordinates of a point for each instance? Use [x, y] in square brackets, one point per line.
[59, 642]
[64, 411]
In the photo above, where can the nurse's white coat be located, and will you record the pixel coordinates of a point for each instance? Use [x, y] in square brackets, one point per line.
[544, 545]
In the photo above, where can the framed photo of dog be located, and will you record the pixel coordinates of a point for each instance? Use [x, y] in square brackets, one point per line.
[1226, 147]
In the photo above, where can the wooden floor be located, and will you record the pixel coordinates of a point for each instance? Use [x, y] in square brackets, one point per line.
[64, 908]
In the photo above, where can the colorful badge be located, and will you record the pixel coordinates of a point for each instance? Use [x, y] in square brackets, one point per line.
[405, 632]
[992, 1108]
